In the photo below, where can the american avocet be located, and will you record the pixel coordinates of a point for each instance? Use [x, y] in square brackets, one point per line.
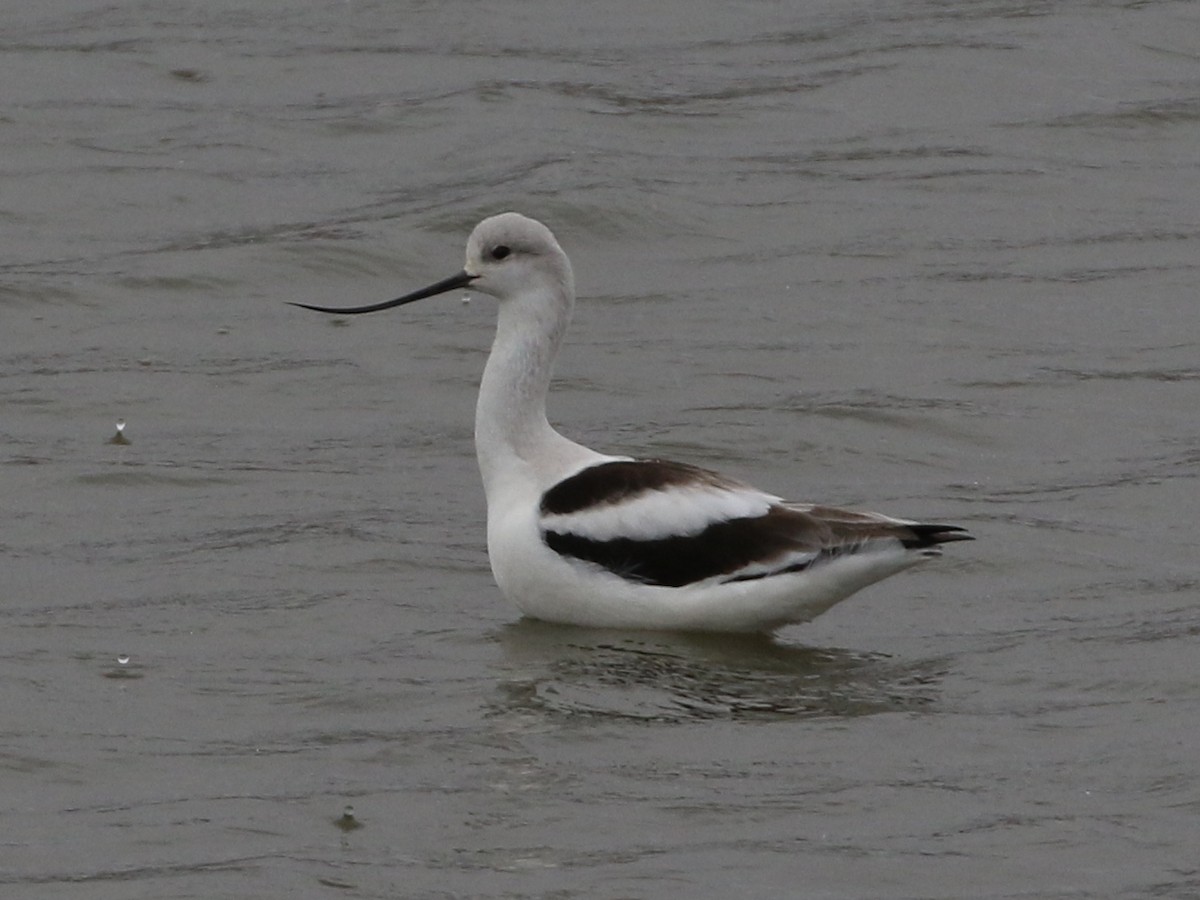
[580, 537]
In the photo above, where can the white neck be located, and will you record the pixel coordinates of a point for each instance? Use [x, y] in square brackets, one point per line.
[513, 438]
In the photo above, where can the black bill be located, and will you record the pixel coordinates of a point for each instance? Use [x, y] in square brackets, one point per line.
[462, 279]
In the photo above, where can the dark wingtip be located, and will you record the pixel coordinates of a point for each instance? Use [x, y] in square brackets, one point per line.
[925, 535]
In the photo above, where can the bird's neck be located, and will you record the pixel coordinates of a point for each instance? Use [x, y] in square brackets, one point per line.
[513, 438]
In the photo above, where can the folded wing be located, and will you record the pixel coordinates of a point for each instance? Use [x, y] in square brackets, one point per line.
[669, 524]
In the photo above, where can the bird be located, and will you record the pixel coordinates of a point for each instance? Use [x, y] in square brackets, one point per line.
[579, 537]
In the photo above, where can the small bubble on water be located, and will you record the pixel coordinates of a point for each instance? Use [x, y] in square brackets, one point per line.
[347, 821]
[119, 437]
[123, 670]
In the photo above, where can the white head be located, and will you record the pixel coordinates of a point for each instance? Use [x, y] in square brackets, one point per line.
[508, 255]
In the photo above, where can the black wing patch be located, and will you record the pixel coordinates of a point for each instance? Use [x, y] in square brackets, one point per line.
[614, 482]
[723, 548]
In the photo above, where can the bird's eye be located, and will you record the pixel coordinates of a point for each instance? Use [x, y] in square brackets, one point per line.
[500, 252]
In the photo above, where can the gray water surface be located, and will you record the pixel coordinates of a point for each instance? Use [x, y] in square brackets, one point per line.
[935, 258]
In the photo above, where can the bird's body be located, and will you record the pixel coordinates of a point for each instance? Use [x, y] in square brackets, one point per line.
[579, 537]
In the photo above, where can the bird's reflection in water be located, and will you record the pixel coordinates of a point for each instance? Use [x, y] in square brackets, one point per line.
[665, 676]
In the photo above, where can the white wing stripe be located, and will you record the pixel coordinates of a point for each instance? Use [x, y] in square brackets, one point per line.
[674, 511]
